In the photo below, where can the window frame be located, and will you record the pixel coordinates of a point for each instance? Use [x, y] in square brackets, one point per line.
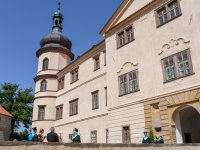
[93, 140]
[189, 60]
[95, 102]
[41, 117]
[71, 106]
[96, 59]
[61, 83]
[59, 112]
[125, 34]
[43, 89]
[123, 134]
[128, 82]
[45, 65]
[166, 6]
[74, 75]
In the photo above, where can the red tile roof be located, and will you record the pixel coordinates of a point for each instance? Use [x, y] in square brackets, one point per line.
[4, 112]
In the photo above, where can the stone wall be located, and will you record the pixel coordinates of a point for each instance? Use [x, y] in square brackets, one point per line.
[5, 127]
[56, 146]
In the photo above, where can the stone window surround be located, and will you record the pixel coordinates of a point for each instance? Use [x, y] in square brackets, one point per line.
[97, 63]
[178, 77]
[72, 104]
[138, 89]
[74, 75]
[93, 139]
[39, 117]
[61, 83]
[45, 64]
[123, 134]
[59, 112]
[165, 5]
[43, 86]
[95, 102]
[124, 32]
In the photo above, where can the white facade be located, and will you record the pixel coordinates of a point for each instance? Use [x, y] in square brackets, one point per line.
[145, 53]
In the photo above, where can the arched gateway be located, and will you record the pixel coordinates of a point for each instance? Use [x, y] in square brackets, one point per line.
[187, 122]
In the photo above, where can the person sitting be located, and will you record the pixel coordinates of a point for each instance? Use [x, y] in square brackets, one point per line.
[146, 138]
[159, 140]
[33, 136]
[40, 135]
[52, 136]
[76, 138]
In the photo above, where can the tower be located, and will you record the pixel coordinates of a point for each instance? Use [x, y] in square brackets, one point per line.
[53, 55]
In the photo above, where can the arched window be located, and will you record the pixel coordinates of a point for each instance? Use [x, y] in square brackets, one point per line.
[45, 64]
[43, 86]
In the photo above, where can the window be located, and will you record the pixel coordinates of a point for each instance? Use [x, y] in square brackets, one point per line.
[168, 12]
[45, 64]
[124, 37]
[41, 112]
[96, 63]
[128, 83]
[73, 107]
[129, 34]
[95, 100]
[61, 83]
[177, 66]
[107, 135]
[104, 54]
[93, 135]
[126, 137]
[43, 86]
[74, 75]
[59, 112]
[106, 95]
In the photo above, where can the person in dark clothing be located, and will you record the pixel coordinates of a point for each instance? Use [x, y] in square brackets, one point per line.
[52, 136]
[35, 137]
[146, 139]
[76, 138]
[159, 140]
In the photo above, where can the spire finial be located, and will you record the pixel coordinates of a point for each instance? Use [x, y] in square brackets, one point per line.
[59, 3]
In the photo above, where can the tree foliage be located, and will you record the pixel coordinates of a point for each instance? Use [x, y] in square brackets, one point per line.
[151, 136]
[19, 102]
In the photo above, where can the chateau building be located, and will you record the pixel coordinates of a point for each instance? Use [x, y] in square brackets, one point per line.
[144, 75]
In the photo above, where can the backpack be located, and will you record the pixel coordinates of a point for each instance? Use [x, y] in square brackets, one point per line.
[30, 136]
[77, 139]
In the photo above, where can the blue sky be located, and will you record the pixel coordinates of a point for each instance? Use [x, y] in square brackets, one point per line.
[24, 22]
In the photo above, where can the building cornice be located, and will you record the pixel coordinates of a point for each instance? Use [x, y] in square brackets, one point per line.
[154, 98]
[45, 76]
[96, 49]
[55, 49]
[43, 120]
[38, 97]
[99, 76]
[80, 120]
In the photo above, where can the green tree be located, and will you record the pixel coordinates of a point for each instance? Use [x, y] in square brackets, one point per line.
[19, 102]
[151, 136]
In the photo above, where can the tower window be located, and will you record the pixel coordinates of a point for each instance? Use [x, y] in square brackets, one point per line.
[41, 112]
[45, 64]
[43, 86]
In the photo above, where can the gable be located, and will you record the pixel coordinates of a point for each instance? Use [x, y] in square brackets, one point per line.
[126, 9]
[134, 7]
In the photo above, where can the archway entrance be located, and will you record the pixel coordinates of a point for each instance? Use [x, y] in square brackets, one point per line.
[188, 125]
